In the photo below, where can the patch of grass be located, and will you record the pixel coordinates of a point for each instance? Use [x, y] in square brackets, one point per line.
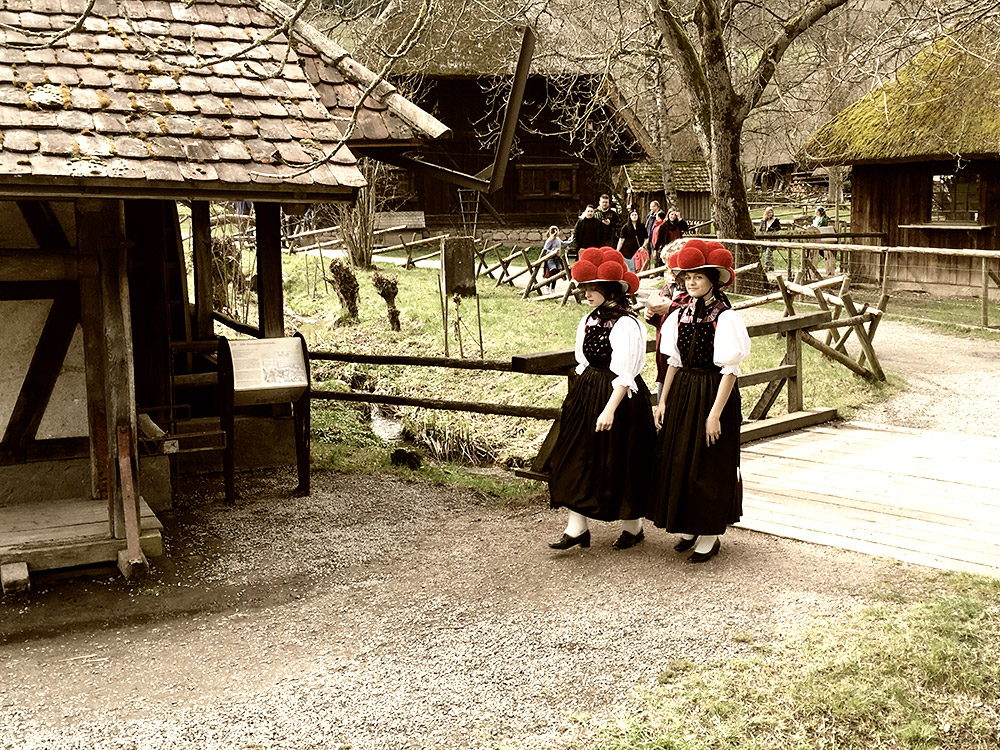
[913, 671]
[953, 315]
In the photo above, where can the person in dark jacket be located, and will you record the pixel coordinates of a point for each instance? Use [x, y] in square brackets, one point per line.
[631, 238]
[588, 232]
[609, 219]
[654, 209]
[675, 226]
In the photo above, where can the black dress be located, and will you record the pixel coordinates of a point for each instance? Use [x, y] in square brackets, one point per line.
[603, 475]
[699, 489]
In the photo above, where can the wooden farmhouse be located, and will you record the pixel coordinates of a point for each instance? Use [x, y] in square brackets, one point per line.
[641, 182]
[924, 149]
[114, 121]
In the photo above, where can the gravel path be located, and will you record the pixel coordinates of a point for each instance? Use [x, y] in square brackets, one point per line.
[379, 613]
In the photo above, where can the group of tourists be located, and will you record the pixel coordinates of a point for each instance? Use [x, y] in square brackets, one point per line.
[600, 466]
[600, 226]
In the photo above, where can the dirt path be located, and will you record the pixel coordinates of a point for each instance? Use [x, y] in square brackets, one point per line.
[379, 613]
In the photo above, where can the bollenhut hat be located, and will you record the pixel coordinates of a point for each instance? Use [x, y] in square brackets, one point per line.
[697, 255]
[604, 264]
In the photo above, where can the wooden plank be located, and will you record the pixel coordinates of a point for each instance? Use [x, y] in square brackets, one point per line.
[133, 560]
[34, 265]
[833, 354]
[802, 320]
[790, 530]
[950, 540]
[898, 493]
[766, 376]
[84, 552]
[777, 425]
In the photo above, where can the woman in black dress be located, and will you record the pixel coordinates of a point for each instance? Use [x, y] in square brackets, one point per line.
[699, 491]
[597, 466]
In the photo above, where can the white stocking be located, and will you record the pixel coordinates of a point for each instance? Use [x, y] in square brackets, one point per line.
[576, 524]
[705, 543]
[633, 527]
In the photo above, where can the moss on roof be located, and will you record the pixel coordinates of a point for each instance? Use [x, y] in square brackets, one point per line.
[944, 102]
[647, 176]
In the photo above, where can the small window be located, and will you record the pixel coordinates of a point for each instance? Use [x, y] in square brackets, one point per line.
[955, 197]
[546, 181]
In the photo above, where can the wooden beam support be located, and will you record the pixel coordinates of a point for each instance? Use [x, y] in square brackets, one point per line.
[101, 232]
[44, 225]
[866, 344]
[270, 296]
[33, 265]
[201, 241]
[131, 560]
[833, 354]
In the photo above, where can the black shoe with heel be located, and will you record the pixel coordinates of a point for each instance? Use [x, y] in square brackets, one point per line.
[567, 541]
[627, 539]
[700, 557]
[685, 544]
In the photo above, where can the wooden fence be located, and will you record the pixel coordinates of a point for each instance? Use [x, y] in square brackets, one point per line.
[786, 375]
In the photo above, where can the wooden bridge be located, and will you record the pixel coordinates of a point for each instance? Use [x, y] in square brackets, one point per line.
[929, 498]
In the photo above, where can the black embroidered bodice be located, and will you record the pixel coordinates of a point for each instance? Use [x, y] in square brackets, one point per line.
[597, 335]
[696, 336]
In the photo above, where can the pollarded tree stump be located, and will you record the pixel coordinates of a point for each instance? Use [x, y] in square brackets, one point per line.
[345, 284]
[387, 288]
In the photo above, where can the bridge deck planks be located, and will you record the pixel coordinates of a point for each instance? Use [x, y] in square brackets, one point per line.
[929, 498]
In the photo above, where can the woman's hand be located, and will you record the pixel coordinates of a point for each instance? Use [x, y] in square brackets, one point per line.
[605, 421]
[657, 305]
[658, 413]
[713, 429]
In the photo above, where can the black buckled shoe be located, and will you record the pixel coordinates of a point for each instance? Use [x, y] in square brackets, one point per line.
[685, 544]
[567, 541]
[627, 539]
[700, 557]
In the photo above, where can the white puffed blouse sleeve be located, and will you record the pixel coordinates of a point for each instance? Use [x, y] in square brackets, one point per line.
[668, 339]
[732, 342]
[628, 352]
[581, 359]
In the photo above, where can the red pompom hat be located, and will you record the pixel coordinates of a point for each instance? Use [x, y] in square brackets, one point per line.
[604, 264]
[698, 254]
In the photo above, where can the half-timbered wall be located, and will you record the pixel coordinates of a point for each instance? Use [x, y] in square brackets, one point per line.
[896, 199]
[43, 399]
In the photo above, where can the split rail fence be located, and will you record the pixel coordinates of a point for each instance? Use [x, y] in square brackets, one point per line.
[787, 375]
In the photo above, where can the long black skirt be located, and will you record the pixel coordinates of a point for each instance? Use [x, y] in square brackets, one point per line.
[699, 489]
[603, 475]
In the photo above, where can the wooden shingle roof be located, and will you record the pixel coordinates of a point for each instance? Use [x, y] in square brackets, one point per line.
[150, 98]
[943, 103]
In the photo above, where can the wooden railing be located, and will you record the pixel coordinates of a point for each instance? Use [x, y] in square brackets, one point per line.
[787, 374]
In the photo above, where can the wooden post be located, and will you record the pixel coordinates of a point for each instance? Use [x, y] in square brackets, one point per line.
[270, 298]
[793, 356]
[100, 231]
[986, 295]
[201, 241]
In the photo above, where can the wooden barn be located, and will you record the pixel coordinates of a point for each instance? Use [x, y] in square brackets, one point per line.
[642, 181]
[549, 179]
[924, 149]
[116, 117]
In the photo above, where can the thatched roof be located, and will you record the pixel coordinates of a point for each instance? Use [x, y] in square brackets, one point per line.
[943, 103]
[646, 176]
